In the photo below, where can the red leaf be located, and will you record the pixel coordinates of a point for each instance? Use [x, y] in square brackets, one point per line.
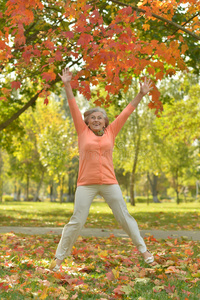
[46, 101]
[3, 286]
[49, 45]
[170, 289]
[110, 276]
[58, 55]
[27, 55]
[126, 10]
[97, 102]
[68, 34]
[84, 39]
[15, 84]
[49, 76]
[36, 52]
[118, 291]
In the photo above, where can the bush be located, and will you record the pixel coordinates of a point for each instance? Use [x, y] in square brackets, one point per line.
[142, 199]
[188, 199]
[8, 198]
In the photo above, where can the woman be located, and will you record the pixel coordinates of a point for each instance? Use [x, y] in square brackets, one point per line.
[96, 172]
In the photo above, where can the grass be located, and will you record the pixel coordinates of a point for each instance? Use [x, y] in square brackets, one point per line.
[99, 268]
[163, 216]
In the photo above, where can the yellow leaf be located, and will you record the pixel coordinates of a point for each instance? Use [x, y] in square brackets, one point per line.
[142, 280]
[103, 253]
[115, 273]
[44, 294]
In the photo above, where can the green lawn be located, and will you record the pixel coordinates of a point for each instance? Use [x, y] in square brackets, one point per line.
[99, 268]
[165, 216]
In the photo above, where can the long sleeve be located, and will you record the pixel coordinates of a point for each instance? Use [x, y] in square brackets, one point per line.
[119, 122]
[77, 117]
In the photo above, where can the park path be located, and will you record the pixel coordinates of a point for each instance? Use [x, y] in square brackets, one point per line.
[98, 232]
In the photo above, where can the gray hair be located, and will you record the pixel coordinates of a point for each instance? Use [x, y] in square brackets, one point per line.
[96, 109]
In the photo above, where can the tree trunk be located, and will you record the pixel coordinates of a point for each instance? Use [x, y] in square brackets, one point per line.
[132, 181]
[176, 186]
[70, 188]
[15, 192]
[18, 194]
[197, 189]
[132, 186]
[36, 196]
[27, 188]
[61, 189]
[51, 191]
[153, 183]
[1, 177]
[177, 197]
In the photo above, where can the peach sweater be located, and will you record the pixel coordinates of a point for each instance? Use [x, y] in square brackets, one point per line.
[95, 152]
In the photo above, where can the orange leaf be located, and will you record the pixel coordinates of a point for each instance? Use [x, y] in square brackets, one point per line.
[97, 102]
[49, 76]
[84, 39]
[2, 45]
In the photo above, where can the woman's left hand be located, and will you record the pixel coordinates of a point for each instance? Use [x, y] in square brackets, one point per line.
[146, 87]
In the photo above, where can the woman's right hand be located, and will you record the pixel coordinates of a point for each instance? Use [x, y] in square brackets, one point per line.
[66, 76]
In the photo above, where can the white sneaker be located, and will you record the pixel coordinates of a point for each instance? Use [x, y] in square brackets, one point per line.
[149, 259]
[53, 266]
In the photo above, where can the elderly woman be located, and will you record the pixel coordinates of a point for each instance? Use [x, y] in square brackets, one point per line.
[96, 172]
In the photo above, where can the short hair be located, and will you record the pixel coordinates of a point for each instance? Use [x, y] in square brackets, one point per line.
[96, 109]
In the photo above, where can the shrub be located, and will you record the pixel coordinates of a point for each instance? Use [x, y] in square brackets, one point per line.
[8, 198]
[187, 199]
[142, 199]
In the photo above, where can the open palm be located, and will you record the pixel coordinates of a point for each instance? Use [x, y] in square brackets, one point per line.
[66, 75]
[146, 86]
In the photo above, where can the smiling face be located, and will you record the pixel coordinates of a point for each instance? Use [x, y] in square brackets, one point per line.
[96, 121]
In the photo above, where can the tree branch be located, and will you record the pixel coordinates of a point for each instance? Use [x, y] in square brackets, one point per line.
[19, 112]
[25, 107]
[179, 27]
[30, 102]
[187, 21]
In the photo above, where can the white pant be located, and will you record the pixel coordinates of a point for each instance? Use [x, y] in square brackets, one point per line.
[83, 198]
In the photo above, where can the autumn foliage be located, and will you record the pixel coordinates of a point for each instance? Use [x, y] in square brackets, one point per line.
[107, 42]
[98, 269]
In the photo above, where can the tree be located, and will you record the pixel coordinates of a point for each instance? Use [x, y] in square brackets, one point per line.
[130, 142]
[1, 177]
[57, 142]
[178, 130]
[110, 40]
[27, 164]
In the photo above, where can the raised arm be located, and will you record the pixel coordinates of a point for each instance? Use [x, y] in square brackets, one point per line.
[66, 78]
[145, 88]
[75, 112]
[118, 123]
